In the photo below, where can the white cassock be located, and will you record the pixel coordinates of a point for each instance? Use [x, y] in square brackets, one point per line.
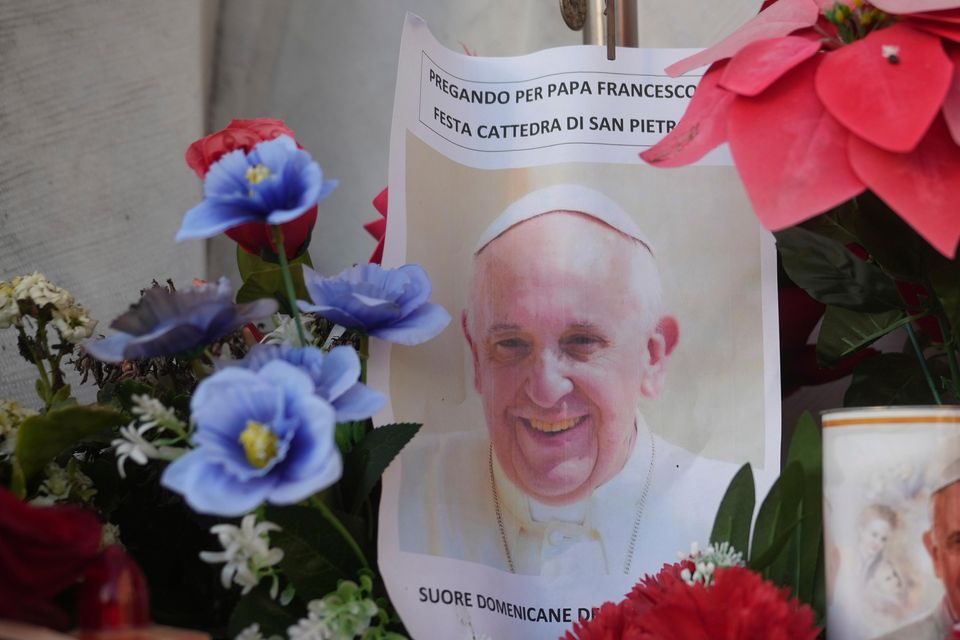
[449, 508]
[934, 625]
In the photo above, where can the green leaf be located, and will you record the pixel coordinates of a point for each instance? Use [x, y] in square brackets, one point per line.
[269, 284]
[888, 379]
[890, 241]
[248, 263]
[315, 555]
[779, 510]
[735, 513]
[830, 273]
[367, 461]
[41, 438]
[844, 332]
[945, 279]
[762, 561]
[258, 607]
[806, 449]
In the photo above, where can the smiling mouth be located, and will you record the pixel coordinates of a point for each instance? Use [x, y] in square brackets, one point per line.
[552, 427]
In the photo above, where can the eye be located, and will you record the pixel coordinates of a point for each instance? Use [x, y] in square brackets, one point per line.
[510, 348]
[582, 344]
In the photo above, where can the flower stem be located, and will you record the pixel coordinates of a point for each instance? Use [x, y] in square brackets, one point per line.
[334, 521]
[288, 282]
[38, 361]
[364, 356]
[923, 363]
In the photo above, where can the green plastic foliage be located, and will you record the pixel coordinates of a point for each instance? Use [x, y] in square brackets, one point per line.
[258, 607]
[41, 438]
[830, 273]
[845, 332]
[732, 523]
[366, 461]
[787, 542]
[888, 379]
[262, 279]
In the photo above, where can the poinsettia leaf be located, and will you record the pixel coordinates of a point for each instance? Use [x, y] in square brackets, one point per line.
[806, 449]
[913, 88]
[920, 186]
[845, 332]
[913, 6]
[761, 63]
[315, 554]
[779, 511]
[41, 438]
[951, 104]
[257, 607]
[735, 513]
[367, 461]
[779, 19]
[790, 152]
[888, 379]
[830, 273]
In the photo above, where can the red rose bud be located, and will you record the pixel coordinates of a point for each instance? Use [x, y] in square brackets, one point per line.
[246, 134]
[43, 551]
[113, 594]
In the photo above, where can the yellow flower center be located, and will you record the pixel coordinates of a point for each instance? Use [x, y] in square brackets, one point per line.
[259, 443]
[257, 174]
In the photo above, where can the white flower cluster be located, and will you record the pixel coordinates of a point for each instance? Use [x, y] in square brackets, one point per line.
[70, 319]
[253, 633]
[285, 331]
[335, 616]
[708, 560]
[247, 553]
[12, 413]
[133, 444]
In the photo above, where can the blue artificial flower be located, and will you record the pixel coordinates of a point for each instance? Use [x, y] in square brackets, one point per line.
[261, 435]
[335, 376]
[165, 323]
[275, 183]
[390, 304]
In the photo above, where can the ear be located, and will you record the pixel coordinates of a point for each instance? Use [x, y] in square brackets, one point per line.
[465, 325]
[660, 345]
[933, 550]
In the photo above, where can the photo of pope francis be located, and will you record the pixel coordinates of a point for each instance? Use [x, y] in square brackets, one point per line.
[567, 336]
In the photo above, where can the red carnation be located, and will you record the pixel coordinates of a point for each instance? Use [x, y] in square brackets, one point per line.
[738, 605]
[245, 135]
[43, 551]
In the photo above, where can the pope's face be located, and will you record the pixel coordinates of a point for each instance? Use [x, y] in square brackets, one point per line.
[563, 350]
[943, 541]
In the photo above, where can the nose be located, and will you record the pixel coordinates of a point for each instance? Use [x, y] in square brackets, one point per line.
[548, 381]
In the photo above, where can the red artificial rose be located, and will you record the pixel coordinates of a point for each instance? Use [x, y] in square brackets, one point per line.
[253, 237]
[43, 551]
[378, 228]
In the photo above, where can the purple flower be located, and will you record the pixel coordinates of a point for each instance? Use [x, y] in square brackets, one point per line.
[261, 435]
[275, 183]
[335, 376]
[165, 323]
[390, 304]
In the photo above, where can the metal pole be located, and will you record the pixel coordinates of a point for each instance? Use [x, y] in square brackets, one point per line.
[626, 30]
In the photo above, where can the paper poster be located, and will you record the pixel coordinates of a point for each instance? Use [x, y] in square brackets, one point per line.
[892, 522]
[613, 357]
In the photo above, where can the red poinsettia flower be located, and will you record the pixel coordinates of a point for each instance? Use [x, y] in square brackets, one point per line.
[737, 605]
[253, 237]
[821, 101]
[378, 228]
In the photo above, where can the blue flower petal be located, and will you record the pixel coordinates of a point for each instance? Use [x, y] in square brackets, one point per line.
[108, 349]
[293, 381]
[227, 176]
[425, 323]
[170, 339]
[340, 371]
[333, 314]
[210, 218]
[359, 402]
[209, 488]
[417, 291]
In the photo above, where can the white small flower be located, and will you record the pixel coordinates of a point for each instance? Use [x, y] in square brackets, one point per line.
[247, 552]
[64, 484]
[286, 330]
[73, 324]
[890, 52]
[12, 413]
[133, 445]
[109, 535]
[9, 311]
[707, 561]
[41, 291]
[151, 412]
